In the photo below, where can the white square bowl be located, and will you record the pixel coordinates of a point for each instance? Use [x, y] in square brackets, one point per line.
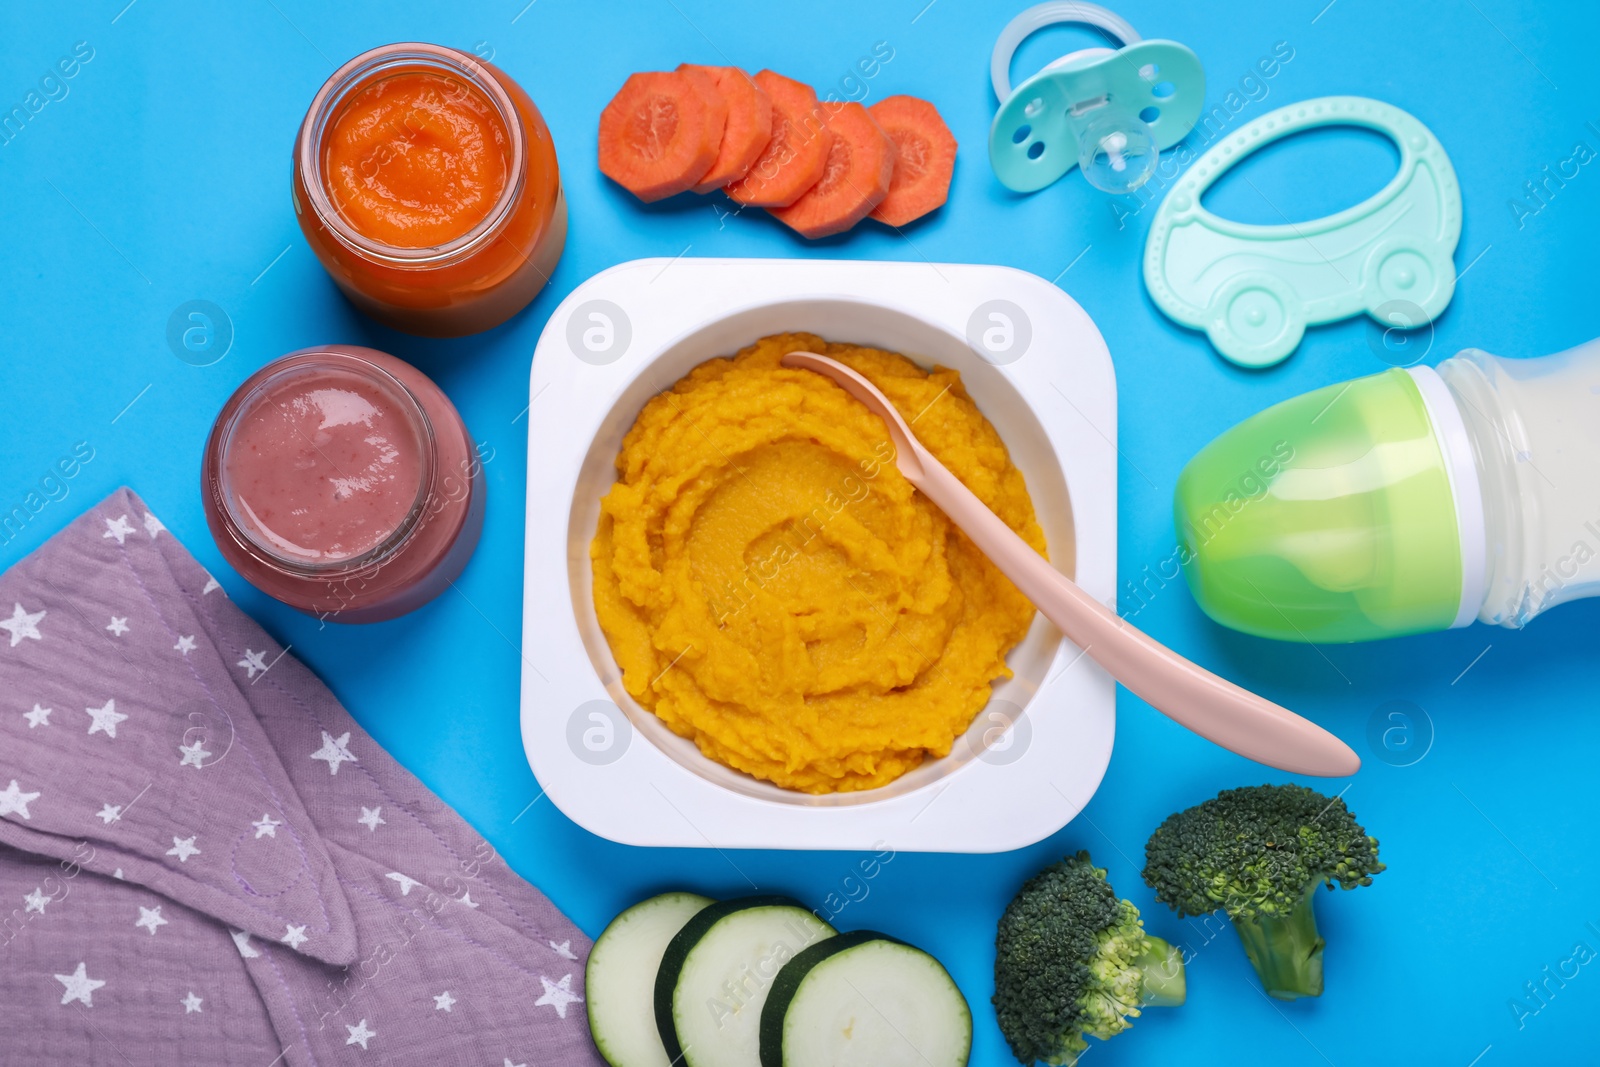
[1032, 758]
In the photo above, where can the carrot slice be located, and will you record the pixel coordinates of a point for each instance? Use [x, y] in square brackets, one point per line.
[661, 132]
[798, 152]
[860, 168]
[927, 158]
[748, 130]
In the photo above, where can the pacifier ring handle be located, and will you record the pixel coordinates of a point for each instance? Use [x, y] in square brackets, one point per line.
[1037, 18]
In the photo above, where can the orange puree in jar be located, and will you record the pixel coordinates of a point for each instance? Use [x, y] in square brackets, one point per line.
[425, 180]
[416, 159]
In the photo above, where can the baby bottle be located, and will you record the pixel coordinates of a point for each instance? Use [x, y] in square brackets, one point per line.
[1413, 500]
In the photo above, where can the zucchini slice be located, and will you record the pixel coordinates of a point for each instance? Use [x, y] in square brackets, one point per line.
[864, 999]
[715, 975]
[621, 978]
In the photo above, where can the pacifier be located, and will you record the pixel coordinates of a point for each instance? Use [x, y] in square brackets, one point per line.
[1108, 111]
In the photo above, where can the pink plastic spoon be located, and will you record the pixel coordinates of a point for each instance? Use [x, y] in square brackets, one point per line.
[1212, 707]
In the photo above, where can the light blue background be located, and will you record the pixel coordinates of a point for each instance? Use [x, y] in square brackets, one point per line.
[163, 176]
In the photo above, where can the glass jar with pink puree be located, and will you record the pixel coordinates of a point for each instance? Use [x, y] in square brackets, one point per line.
[341, 481]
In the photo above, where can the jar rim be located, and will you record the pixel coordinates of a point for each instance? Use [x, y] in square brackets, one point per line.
[362, 71]
[244, 401]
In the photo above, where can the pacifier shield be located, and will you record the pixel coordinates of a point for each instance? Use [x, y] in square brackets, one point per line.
[1110, 110]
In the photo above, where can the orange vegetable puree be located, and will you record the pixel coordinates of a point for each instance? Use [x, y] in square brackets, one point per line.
[416, 159]
[773, 588]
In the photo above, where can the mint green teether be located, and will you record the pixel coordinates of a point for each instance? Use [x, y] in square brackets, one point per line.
[1255, 289]
[1108, 111]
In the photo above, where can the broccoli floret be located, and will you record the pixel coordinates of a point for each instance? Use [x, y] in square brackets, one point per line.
[1073, 960]
[1259, 853]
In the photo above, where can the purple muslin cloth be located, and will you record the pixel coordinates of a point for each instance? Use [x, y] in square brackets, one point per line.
[204, 860]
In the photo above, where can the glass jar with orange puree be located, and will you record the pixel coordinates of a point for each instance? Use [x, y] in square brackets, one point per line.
[426, 182]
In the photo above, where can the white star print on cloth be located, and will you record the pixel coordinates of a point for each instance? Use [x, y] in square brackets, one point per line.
[152, 525]
[212, 585]
[118, 528]
[405, 883]
[13, 801]
[564, 950]
[150, 918]
[183, 848]
[105, 718]
[241, 941]
[360, 1035]
[22, 624]
[194, 756]
[333, 751]
[79, 986]
[557, 995]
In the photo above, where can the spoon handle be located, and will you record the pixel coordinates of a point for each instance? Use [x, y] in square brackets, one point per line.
[1184, 691]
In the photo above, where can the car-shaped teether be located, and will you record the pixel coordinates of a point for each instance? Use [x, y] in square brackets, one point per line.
[1255, 289]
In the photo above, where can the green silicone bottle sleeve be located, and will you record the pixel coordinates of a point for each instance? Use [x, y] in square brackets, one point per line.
[1326, 518]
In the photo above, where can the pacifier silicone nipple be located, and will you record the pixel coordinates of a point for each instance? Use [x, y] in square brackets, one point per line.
[1116, 154]
[1108, 111]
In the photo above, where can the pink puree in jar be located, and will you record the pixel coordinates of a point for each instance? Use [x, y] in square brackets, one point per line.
[342, 481]
[324, 468]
